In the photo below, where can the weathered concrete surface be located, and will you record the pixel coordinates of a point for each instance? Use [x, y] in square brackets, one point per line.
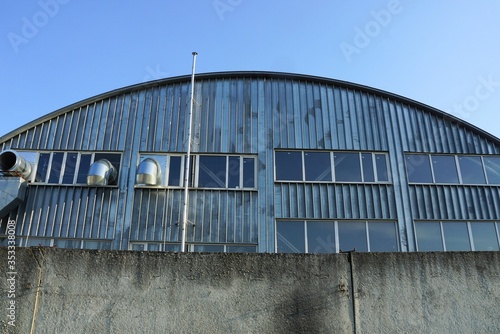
[427, 292]
[146, 292]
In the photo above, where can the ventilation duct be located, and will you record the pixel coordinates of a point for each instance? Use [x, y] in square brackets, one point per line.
[101, 173]
[148, 173]
[12, 164]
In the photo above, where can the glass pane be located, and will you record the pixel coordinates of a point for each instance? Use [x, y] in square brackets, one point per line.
[33, 242]
[55, 167]
[484, 236]
[240, 249]
[174, 171]
[445, 169]
[70, 168]
[233, 173]
[289, 166]
[209, 248]
[456, 236]
[43, 165]
[83, 169]
[382, 170]
[347, 167]
[138, 247]
[321, 237]
[290, 237]
[429, 236]
[248, 172]
[492, 165]
[171, 247]
[368, 173]
[383, 237]
[352, 236]
[96, 245]
[212, 171]
[318, 166]
[471, 169]
[418, 168]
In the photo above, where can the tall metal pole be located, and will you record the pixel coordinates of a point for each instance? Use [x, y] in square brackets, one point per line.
[188, 159]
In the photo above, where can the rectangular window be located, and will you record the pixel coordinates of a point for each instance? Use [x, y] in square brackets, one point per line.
[445, 169]
[383, 237]
[382, 168]
[429, 236]
[248, 172]
[352, 236]
[471, 169]
[56, 167]
[456, 236]
[290, 237]
[368, 171]
[83, 168]
[288, 165]
[321, 237]
[418, 168]
[347, 167]
[174, 171]
[317, 166]
[233, 172]
[492, 166]
[212, 171]
[484, 236]
[70, 166]
[42, 167]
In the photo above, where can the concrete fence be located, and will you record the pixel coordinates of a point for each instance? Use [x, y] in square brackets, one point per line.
[82, 291]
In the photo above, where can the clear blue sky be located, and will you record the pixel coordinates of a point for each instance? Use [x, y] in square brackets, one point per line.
[443, 53]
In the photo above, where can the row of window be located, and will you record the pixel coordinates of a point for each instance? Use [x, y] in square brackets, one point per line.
[202, 248]
[206, 171]
[298, 236]
[455, 169]
[322, 166]
[457, 236]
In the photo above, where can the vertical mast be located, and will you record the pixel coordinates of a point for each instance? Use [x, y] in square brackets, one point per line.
[188, 159]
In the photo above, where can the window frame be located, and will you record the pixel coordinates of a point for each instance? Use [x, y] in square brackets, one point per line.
[457, 166]
[333, 167]
[337, 240]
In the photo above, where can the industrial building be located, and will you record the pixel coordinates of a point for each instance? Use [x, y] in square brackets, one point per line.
[279, 162]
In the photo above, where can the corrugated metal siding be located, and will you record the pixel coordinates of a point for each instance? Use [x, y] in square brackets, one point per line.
[248, 115]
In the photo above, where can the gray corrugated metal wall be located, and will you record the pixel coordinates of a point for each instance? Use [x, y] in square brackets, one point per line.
[247, 114]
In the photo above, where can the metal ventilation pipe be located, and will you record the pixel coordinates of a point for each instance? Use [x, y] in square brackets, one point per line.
[101, 173]
[11, 163]
[148, 173]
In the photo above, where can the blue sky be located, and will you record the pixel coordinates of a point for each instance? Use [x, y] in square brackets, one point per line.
[442, 53]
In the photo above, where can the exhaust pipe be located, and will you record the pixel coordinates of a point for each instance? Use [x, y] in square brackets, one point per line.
[148, 173]
[101, 173]
[11, 163]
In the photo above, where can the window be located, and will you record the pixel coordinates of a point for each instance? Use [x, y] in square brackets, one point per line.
[69, 167]
[318, 166]
[206, 171]
[445, 169]
[457, 236]
[418, 168]
[322, 166]
[471, 169]
[347, 167]
[289, 166]
[492, 166]
[453, 169]
[297, 236]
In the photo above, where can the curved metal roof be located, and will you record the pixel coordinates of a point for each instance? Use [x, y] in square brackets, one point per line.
[250, 74]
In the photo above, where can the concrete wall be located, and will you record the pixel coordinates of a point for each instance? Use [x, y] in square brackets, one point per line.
[74, 291]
